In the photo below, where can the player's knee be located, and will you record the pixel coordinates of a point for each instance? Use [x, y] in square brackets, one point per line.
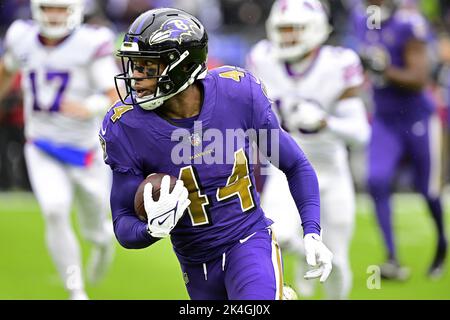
[340, 261]
[95, 202]
[378, 184]
[56, 212]
[100, 236]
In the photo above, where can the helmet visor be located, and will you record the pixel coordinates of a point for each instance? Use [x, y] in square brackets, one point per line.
[287, 36]
[144, 79]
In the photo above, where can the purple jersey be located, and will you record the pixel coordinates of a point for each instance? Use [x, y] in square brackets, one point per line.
[392, 38]
[224, 203]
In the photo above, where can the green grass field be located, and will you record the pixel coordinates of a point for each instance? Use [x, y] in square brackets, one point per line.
[26, 271]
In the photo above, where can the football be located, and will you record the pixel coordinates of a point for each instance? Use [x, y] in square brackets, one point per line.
[155, 179]
[289, 293]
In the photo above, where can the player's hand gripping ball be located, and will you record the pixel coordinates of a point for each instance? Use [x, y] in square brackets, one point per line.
[162, 203]
[155, 179]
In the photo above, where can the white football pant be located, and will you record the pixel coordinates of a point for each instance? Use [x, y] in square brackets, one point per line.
[57, 187]
[337, 221]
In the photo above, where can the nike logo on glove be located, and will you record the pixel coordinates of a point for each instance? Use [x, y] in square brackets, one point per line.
[160, 222]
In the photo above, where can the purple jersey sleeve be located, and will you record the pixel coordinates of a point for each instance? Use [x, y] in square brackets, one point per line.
[130, 232]
[118, 150]
[301, 176]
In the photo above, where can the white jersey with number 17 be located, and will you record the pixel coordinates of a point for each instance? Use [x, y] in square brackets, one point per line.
[80, 66]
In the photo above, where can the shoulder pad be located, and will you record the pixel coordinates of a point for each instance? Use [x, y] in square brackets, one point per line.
[17, 30]
[98, 39]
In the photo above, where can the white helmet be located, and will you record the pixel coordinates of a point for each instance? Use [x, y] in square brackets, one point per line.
[65, 26]
[310, 27]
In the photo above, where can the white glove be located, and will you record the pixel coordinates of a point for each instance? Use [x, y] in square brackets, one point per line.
[164, 214]
[306, 116]
[375, 59]
[318, 256]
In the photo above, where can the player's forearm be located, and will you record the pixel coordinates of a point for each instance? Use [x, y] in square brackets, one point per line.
[130, 232]
[350, 122]
[409, 79]
[304, 189]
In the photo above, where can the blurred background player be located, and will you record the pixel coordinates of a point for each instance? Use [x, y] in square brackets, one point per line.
[223, 241]
[315, 89]
[393, 48]
[67, 81]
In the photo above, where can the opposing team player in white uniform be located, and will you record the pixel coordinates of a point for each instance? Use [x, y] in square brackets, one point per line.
[314, 88]
[68, 81]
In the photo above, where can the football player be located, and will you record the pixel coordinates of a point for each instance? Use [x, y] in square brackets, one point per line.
[315, 89]
[67, 79]
[393, 47]
[218, 230]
